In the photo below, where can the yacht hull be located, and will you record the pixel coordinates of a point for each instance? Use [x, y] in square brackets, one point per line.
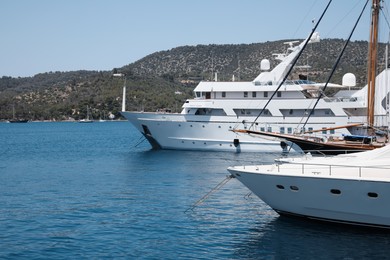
[179, 132]
[344, 200]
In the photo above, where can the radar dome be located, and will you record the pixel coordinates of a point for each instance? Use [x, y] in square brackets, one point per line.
[265, 64]
[349, 80]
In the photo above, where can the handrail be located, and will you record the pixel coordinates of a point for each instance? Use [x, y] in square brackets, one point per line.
[330, 168]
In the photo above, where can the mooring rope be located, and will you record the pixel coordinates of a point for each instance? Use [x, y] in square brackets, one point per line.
[219, 186]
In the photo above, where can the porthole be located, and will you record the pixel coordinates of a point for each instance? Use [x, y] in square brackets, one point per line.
[219, 126]
[220, 144]
[190, 125]
[179, 125]
[203, 126]
[193, 142]
[204, 143]
[372, 195]
[280, 187]
[294, 188]
[335, 191]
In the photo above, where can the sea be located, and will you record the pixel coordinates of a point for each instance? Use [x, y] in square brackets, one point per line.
[98, 191]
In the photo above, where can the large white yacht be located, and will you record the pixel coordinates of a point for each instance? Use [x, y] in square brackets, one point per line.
[206, 121]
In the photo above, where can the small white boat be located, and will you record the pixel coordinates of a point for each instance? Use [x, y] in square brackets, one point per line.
[88, 119]
[353, 189]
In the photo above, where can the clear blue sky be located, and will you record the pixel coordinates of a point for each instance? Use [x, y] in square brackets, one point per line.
[66, 35]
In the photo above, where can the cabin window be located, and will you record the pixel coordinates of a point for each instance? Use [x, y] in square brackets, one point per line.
[269, 129]
[245, 93]
[265, 94]
[254, 94]
[208, 95]
[280, 187]
[289, 130]
[282, 130]
[223, 94]
[291, 112]
[262, 129]
[372, 195]
[324, 130]
[310, 129]
[335, 191]
[294, 188]
[332, 131]
[279, 94]
[198, 94]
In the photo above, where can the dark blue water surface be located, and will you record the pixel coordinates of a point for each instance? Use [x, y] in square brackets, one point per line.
[71, 190]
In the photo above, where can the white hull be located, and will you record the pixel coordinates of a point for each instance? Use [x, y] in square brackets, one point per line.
[183, 132]
[357, 195]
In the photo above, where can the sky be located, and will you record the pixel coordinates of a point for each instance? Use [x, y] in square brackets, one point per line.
[66, 35]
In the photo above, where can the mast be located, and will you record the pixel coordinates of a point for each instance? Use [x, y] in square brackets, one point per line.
[371, 63]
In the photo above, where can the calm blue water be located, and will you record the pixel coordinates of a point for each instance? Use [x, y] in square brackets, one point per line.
[70, 190]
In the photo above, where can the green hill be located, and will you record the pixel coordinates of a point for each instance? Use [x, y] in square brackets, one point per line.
[152, 81]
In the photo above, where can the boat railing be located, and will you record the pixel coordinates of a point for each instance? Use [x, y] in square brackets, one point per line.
[360, 171]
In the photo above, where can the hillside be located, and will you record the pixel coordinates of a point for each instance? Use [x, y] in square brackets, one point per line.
[152, 81]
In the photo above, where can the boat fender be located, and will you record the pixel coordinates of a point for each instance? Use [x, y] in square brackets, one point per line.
[236, 142]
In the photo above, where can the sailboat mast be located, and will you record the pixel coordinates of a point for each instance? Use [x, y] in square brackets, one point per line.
[372, 61]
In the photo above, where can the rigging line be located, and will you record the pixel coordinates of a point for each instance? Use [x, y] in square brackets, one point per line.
[337, 25]
[304, 18]
[220, 185]
[293, 63]
[336, 64]
[385, 14]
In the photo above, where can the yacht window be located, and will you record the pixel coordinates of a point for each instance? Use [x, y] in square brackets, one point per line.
[269, 129]
[198, 94]
[335, 191]
[291, 112]
[310, 129]
[208, 95]
[332, 131]
[265, 94]
[252, 112]
[280, 187]
[253, 94]
[245, 93]
[294, 188]
[223, 94]
[262, 129]
[372, 195]
[282, 130]
[279, 94]
[289, 130]
[324, 131]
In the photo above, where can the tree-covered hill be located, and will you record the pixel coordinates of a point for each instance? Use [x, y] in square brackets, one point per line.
[153, 80]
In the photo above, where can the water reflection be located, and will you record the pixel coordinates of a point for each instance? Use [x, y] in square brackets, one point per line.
[289, 238]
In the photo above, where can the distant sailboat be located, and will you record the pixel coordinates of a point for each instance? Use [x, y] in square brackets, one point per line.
[89, 118]
[16, 120]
